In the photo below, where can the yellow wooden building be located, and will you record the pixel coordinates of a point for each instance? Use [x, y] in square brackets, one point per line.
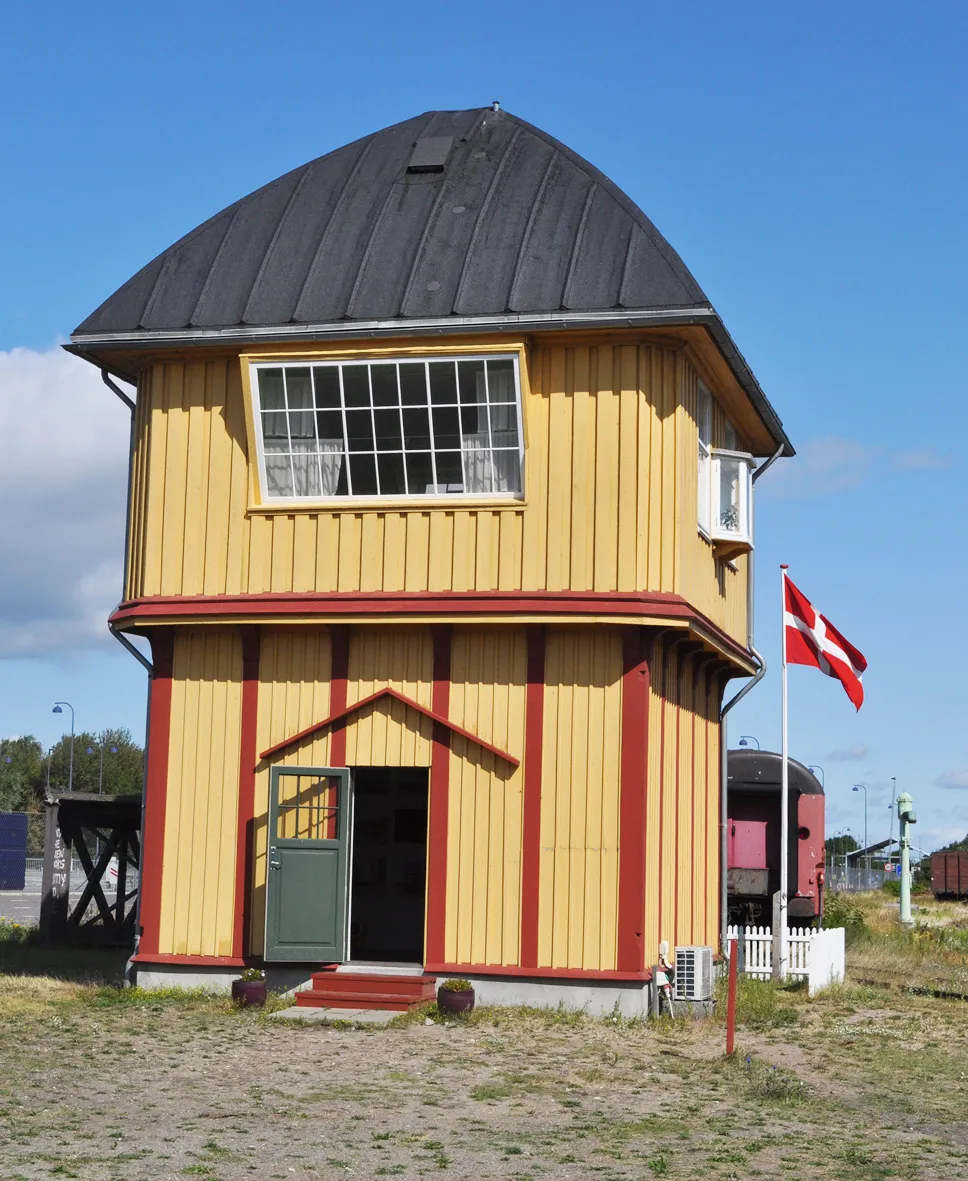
[440, 523]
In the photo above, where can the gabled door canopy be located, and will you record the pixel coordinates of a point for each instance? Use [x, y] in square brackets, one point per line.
[343, 714]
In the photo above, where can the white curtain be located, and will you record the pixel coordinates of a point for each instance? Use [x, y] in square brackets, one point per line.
[487, 471]
[330, 462]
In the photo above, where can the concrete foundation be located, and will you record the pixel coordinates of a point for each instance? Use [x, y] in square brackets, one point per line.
[216, 980]
[596, 997]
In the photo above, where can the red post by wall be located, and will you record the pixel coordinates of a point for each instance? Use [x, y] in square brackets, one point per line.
[731, 998]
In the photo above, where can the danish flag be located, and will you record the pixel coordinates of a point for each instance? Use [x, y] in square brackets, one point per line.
[811, 639]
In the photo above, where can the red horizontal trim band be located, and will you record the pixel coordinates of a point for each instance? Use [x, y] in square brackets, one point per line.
[641, 604]
[539, 973]
[407, 701]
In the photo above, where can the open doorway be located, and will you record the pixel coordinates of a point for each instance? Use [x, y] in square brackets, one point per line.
[388, 884]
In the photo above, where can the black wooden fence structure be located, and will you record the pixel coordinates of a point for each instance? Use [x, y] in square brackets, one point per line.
[79, 822]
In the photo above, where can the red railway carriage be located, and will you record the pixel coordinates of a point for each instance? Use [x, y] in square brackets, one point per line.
[753, 838]
[949, 874]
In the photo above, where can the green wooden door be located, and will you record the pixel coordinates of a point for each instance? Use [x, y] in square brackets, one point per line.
[306, 889]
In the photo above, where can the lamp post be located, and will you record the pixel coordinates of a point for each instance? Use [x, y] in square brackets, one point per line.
[746, 739]
[867, 858]
[50, 752]
[112, 749]
[823, 775]
[58, 710]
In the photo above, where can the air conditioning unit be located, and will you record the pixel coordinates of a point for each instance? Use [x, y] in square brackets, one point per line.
[694, 974]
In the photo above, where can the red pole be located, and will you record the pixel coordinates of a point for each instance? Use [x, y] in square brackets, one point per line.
[731, 998]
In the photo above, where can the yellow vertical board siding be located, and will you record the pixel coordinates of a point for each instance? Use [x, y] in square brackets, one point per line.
[609, 483]
[668, 858]
[485, 798]
[578, 866]
[682, 800]
[201, 814]
[685, 833]
[294, 692]
[388, 733]
[714, 731]
[715, 587]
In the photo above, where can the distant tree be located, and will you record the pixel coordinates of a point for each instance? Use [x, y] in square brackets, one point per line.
[838, 846]
[20, 762]
[956, 846]
[123, 764]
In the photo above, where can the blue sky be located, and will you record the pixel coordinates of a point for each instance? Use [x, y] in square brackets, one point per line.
[806, 161]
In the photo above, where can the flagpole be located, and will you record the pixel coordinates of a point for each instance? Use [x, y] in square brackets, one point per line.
[782, 943]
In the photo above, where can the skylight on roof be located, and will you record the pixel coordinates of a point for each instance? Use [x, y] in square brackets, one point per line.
[430, 153]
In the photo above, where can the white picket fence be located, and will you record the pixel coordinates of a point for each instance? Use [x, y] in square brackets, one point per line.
[814, 956]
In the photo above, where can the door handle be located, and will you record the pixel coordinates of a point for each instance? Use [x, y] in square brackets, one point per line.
[273, 864]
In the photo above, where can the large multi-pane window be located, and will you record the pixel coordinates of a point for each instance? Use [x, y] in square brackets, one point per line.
[390, 428]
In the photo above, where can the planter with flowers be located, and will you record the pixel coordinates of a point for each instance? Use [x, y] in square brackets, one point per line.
[456, 996]
[249, 991]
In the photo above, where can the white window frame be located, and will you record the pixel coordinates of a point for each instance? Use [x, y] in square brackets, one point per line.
[270, 501]
[704, 421]
[743, 535]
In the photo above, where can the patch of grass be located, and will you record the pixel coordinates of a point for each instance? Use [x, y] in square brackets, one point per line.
[772, 1083]
[760, 1004]
[492, 1091]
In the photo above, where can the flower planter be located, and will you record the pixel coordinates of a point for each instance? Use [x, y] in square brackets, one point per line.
[249, 994]
[455, 1002]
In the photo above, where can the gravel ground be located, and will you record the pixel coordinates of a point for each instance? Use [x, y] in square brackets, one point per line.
[103, 1084]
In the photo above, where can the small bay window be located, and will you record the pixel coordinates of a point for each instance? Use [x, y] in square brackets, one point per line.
[725, 488]
[731, 507]
[389, 429]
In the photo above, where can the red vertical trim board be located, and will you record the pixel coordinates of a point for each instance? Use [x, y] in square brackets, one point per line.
[248, 745]
[680, 665]
[633, 778]
[156, 790]
[439, 802]
[339, 639]
[531, 820]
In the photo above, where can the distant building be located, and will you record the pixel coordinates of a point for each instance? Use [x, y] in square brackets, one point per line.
[439, 526]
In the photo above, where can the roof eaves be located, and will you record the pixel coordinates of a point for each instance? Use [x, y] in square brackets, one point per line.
[84, 344]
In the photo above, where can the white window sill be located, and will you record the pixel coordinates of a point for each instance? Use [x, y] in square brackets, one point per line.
[373, 504]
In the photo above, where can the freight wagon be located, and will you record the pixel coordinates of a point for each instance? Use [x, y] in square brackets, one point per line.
[949, 875]
[753, 838]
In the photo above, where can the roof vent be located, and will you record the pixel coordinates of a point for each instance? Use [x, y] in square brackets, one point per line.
[430, 153]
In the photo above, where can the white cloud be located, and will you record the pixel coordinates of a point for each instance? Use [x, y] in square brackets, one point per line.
[921, 459]
[953, 778]
[824, 465]
[63, 483]
[833, 463]
[848, 754]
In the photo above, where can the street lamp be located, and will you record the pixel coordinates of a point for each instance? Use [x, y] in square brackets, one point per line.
[58, 710]
[861, 787]
[100, 772]
[746, 739]
[823, 775]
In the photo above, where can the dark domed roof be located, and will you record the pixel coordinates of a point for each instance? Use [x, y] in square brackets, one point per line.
[761, 770]
[450, 220]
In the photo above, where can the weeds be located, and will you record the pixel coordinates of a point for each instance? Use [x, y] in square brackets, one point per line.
[771, 1083]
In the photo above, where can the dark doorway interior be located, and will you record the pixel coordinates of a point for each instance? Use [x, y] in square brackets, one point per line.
[389, 864]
